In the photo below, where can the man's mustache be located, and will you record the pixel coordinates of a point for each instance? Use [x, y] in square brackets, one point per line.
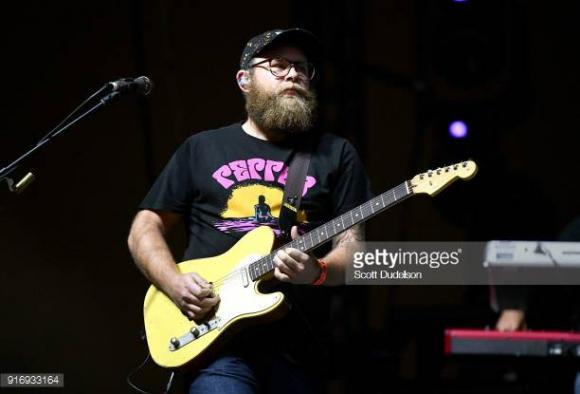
[300, 91]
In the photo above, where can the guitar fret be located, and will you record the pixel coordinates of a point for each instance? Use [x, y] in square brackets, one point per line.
[333, 227]
[270, 261]
[326, 231]
[395, 191]
[311, 241]
[312, 235]
[322, 234]
[300, 244]
[348, 217]
[389, 200]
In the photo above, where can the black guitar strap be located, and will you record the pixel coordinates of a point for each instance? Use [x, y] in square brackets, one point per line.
[295, 182]
[293, 190]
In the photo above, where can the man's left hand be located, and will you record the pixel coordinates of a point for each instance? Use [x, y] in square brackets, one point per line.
[295, 266]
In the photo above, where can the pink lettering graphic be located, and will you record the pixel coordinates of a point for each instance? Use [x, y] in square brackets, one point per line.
[256, 168]
[255, 165]
[310, 181]
[221, 174]
[271, 167]
[283, 176]
[240, 170]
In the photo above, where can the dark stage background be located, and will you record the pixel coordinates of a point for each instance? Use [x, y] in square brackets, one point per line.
[395, 73]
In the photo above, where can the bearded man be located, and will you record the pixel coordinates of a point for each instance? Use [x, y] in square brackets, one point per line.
[211, 184]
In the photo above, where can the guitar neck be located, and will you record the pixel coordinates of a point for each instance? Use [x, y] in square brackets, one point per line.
[329, 230]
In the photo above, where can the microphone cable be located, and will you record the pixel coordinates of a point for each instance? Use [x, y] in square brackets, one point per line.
[140, 390]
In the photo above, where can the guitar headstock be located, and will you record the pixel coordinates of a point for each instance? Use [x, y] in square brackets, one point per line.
[433, 181]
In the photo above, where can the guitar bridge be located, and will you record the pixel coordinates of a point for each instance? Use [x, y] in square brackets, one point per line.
[195, 332]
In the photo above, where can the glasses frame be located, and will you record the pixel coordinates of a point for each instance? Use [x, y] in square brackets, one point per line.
[292, 64]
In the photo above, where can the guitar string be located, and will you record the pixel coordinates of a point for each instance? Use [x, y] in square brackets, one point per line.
[404, 187]
[367, 207]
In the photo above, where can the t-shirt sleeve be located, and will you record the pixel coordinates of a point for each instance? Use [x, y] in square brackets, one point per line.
[352, 185]
[173, 189]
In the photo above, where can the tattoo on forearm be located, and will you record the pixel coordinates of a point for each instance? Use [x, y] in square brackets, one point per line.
[353, 234]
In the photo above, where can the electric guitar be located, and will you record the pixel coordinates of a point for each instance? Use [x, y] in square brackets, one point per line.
[175, 341]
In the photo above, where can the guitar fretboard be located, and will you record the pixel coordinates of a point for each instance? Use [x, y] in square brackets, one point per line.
[327, 231]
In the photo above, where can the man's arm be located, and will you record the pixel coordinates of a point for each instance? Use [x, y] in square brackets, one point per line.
[297, 267]
[343, 248]
[191, 293]
[148, 246]
[511, 320]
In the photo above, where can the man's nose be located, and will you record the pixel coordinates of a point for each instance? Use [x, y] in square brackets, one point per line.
[292, 74]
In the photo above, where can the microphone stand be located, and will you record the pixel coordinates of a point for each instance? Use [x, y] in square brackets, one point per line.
[60, 128]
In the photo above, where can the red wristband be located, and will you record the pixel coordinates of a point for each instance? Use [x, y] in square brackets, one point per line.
[323, 273]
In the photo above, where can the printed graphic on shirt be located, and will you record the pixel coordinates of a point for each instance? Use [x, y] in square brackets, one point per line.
[250, 206]
[271, 171]
[254, 204]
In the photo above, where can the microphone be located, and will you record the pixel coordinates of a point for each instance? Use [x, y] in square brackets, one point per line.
[141, 85]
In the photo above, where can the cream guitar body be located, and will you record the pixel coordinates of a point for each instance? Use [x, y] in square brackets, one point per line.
[240, 300]
[175, 341]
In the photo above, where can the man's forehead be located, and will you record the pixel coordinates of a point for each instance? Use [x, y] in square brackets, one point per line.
[288, 51]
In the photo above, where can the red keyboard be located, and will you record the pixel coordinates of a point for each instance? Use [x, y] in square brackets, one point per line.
[518, 343]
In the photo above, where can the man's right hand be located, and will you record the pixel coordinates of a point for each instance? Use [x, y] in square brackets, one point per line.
[192, 294]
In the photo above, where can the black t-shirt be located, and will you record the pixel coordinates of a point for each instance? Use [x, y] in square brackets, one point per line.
[225, 183]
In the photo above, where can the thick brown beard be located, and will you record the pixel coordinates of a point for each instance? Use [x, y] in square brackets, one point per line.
[282, 113]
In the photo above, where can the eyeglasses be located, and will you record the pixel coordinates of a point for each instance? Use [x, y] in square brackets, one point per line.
[280, 67]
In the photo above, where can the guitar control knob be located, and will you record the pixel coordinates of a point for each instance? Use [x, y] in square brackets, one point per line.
[175, 342]
[195, 332]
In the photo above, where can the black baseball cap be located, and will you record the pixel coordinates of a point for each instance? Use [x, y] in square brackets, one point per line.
[298, 37]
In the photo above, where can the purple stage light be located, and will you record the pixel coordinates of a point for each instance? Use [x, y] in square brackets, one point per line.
[458, 129]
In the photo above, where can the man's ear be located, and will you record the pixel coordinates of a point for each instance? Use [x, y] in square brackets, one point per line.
[243, 80]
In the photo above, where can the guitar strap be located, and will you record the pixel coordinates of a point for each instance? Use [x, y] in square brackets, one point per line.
[293, 190]
[291, 199]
